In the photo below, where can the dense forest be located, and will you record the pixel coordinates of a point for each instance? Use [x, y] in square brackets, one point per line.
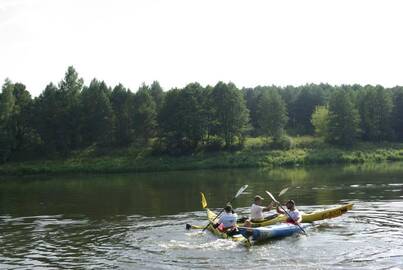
[72, 116]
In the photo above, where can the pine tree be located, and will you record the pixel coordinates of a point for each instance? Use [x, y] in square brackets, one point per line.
[144, 115]
[121, 99]
[97, 119]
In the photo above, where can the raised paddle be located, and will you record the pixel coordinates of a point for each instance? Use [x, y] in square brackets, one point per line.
[284, 190]
[274, 199]
[242, 189]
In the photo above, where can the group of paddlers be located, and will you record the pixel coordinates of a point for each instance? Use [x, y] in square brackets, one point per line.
[228, 220]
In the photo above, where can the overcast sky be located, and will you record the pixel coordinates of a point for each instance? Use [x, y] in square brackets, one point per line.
[180, 41]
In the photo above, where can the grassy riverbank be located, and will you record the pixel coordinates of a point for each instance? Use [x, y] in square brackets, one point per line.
[307, 150]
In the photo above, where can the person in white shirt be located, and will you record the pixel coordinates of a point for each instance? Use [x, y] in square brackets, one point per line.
[227, 221]
[256, 211]
[294, 216]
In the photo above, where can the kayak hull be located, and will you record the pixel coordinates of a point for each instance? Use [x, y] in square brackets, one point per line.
[307, 217]
[273, 231]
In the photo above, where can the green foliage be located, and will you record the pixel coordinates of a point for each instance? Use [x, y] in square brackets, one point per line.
[272, 114]
[144, 115]
[194, 119]
[158, 95]
[319, 120]
[17, 135]
[7, 101]
[91, 160]
[230, 115]
[7, 104]
[184, 118]
[121, 100]
[58, 114]
[301, 110]
[49, 121]
[397, 113]
[282, 143]
[344, 120]
[97, 119]
[214, 144]
[70, 88]
[375, 106]
[251, 99]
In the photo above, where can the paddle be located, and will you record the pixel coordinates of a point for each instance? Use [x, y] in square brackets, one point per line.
[284, 190]
[195, 227]
[242, 189]
[274, 199]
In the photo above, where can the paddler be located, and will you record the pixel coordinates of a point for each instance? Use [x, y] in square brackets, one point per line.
[294, 216]
[256, 211]
[227, 221]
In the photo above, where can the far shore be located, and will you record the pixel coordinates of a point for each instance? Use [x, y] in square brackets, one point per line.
[307, 151]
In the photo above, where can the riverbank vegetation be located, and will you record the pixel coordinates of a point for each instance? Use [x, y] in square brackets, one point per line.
[98, 128]
[306, 151]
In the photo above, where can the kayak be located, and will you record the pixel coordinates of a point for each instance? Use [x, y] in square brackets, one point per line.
[212, 219]
[211, 216]
[273, 231]
[307, 217]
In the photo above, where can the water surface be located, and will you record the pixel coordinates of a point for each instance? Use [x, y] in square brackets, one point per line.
[137, 221]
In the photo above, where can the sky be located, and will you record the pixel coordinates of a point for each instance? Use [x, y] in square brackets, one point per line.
[176, 42]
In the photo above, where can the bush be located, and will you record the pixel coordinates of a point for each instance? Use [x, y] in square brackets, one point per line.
[282, 143]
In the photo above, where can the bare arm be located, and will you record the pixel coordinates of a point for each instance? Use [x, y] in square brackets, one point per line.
[279, 210]
[269, 207]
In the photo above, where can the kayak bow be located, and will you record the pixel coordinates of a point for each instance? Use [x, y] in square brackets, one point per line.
[307, 217]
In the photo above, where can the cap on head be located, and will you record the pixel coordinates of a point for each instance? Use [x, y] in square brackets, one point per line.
[258, 198]
[290, 202]
[228, 208]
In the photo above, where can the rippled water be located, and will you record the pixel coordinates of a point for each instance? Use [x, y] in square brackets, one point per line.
[103, 222]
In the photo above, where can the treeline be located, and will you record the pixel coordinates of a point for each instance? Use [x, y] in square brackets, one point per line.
[72, 116]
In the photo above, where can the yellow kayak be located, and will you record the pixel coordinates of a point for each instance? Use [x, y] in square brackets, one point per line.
[237, 237]
[211, 216]
[308, 217]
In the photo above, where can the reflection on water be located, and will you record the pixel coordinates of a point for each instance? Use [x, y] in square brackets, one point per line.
[138, 221]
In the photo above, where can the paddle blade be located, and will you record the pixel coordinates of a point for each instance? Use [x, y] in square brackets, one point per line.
[242, 189]
[203, 200]
[284, 190]
[271, 196]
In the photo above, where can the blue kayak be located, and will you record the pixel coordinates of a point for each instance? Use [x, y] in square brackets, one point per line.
[273, 231]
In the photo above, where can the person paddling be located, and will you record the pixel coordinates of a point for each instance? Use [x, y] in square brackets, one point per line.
[227, 221]
[294, 216]
[256, 211]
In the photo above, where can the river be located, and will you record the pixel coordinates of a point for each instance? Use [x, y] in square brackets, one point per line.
[137, 221]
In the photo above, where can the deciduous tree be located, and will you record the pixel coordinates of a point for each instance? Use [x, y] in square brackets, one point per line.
[343, 128]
